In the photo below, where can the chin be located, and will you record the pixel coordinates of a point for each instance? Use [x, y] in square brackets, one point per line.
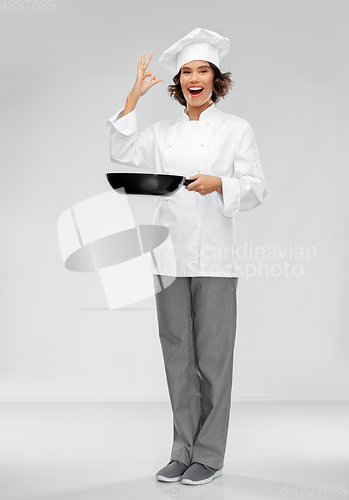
[197, 103]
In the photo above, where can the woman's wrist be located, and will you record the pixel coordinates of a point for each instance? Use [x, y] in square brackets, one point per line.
[219, 185]
[131, 103]
[132, 98]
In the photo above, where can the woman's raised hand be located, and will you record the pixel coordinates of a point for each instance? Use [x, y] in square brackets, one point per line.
[141, 86]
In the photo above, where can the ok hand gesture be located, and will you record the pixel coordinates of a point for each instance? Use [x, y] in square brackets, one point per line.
[141, 86]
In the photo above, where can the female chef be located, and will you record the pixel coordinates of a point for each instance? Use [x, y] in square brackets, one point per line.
[197, 311]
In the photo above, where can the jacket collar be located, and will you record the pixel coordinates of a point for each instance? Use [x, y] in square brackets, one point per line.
[205, 115]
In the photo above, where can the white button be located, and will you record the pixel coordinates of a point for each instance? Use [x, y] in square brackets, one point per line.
[177, 125]
[170, 145]
[199, 169]
[208, 123]
[202, 144]
[196, 225]
[166, 199]
[166, 224]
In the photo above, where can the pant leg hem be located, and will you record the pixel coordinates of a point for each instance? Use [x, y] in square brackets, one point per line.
[180, 459]
[208, 463]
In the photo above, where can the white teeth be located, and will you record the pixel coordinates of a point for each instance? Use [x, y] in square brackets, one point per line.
[195, 88]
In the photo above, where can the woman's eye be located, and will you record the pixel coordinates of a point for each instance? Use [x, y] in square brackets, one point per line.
[202, 71]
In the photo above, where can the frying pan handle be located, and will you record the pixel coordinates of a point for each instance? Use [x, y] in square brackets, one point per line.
[188, 181]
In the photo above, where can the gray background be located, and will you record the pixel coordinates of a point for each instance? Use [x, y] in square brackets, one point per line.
[64, 73]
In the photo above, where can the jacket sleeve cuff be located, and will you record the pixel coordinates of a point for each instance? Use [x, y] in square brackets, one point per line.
[126, 125]
[229, 199]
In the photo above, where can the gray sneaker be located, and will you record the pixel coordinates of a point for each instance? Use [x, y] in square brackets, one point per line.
[172, 472]
[200, 474]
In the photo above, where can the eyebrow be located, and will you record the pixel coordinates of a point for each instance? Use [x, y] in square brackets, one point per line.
[186, 67]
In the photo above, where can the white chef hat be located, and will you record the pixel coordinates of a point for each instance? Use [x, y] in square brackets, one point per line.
[198, 45]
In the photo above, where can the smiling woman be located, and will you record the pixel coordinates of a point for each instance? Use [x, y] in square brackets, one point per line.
[196, 311]
[221, 84]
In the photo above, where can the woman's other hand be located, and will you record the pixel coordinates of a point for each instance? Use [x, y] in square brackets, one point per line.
[205, 184]
[141, 86]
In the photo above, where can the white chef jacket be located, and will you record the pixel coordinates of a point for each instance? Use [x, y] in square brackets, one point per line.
[201, 228]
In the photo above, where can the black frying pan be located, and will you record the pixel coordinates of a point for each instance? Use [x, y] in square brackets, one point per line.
[150, 184]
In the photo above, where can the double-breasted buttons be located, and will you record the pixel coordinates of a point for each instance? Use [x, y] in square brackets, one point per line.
[181, 146]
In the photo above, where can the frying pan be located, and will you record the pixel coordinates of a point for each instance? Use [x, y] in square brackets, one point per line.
[148, 184]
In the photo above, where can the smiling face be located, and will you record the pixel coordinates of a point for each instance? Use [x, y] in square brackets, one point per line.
[196, 80]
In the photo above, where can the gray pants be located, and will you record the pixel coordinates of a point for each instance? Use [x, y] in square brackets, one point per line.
[197, 326]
